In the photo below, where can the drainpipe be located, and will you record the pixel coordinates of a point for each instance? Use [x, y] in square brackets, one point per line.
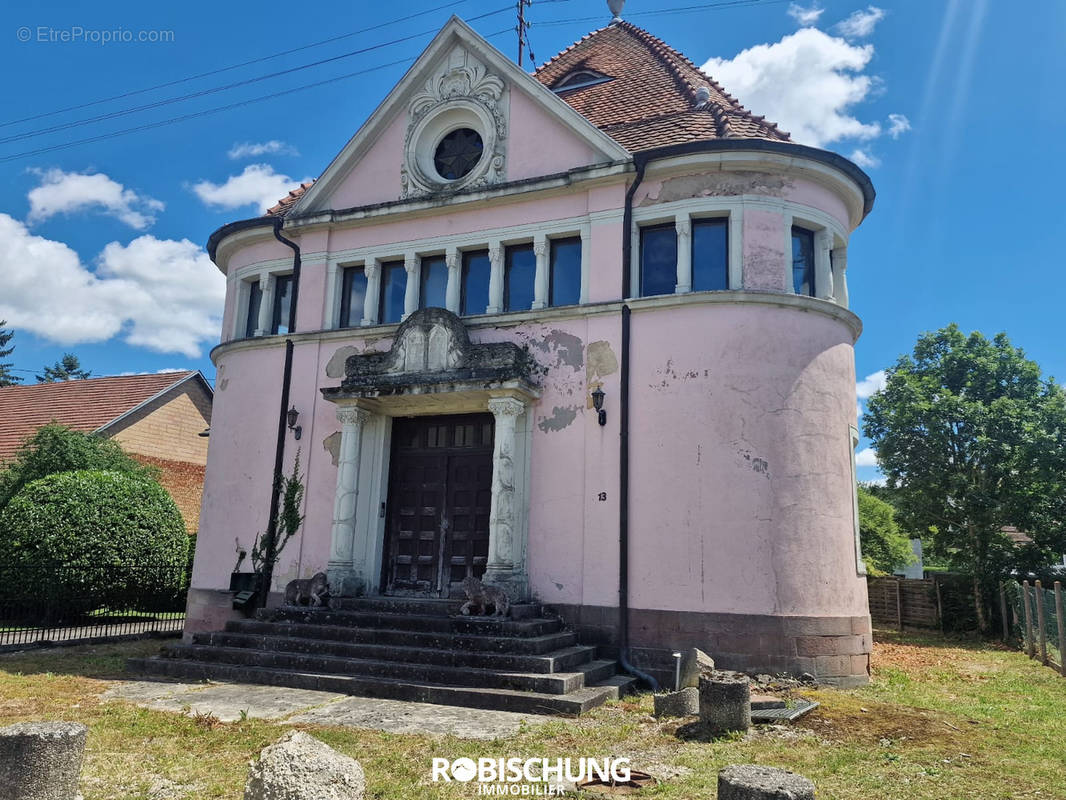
[270, 538]
[623, 437]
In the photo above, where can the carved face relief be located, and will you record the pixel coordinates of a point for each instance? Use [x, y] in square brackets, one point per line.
[457, 129]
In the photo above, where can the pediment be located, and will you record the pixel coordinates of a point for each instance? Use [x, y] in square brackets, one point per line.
[459, 83]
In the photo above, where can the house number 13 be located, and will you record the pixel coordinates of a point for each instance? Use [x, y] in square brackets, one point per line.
[602, 497]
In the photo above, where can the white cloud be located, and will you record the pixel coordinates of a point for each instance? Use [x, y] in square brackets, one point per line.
[861, 23]
[161, 294]
[805, 16]
[807, 83]
[66, 192]
[870, 385]
[898, 124]
[258, 185]
[864, 158]
[257, 149]
[866, 458]
[880, 480]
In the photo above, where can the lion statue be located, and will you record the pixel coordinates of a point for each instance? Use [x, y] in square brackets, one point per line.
[480, 597]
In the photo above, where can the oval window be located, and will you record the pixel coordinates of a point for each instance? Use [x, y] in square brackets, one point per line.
[458, 153]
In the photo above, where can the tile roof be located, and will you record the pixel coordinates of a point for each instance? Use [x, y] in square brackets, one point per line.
[656, 96]
[652, 100]
[84, 405]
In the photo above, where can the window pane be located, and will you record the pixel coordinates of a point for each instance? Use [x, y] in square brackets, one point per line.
[282, 297]
[520, 268]
[353, 293]
[565, 279]
[803, 261]
[255, 300]
[393, 288]
[434, 283]
[710, 255]
[658, 260]
[476, 269]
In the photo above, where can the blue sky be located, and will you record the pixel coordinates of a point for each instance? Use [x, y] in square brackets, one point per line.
[954, 107]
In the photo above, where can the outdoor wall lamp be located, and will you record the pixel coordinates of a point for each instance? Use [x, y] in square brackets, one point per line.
[597, 403]
[291, 416]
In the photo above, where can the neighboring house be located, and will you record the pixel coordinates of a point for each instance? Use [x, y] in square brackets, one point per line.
[493, 254]
[156, 418]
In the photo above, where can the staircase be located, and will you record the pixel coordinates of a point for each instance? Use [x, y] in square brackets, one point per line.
[404, 649]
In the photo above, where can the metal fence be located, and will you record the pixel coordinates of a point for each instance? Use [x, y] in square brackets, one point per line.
[44, 604]
[1034, 621]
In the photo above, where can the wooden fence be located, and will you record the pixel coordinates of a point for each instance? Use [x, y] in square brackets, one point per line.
[905, 602]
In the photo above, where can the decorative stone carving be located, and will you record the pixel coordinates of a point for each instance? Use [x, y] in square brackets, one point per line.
[461, 94]
[342, 541]
[504, 563]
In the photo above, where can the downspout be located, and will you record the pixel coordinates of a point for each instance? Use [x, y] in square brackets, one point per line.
[623, 435]
[271, 536]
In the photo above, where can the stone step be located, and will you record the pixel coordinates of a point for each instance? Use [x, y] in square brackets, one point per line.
[420, 623]
[497, 643]
[553, 683]
[573, 703]
[421, 605]
[561, 660]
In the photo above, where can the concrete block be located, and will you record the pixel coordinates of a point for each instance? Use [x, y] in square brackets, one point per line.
[755, 782]
[41, 760]
[725, 702]
[685, 703]
[694, 663]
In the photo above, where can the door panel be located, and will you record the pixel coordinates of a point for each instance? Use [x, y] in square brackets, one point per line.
[440, 488]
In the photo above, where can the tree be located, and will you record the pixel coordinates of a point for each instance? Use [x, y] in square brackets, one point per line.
[6, 378]
[56, 448]
[971, 437]
[884, 545]
[68, 368]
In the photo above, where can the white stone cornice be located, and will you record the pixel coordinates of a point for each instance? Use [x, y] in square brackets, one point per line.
[506, 406]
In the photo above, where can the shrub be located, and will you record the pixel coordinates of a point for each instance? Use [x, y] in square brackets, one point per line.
[102, 537]
[56, 448]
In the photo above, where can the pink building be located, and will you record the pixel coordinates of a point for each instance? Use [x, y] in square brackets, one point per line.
[582, 333]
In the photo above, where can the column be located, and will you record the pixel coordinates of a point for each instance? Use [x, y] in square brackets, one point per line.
[586, 260]
[823, 273]
[266, 305]
[495, 279]
[683, 225]
[455, 279]
[410, 297]
[372, 269]
[540, 279]
[839, 259]
[342, 543]
[505, 568]
[736, 248]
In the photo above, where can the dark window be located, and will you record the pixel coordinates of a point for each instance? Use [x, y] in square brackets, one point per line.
[255, 300]
[803, 261]
[520, 269]
[393, 288]
[353, 293]
[282, 296]
[710, 255]
[564, 276]
[458, 153]
[476, 268]
[434, 282]
[658, 260]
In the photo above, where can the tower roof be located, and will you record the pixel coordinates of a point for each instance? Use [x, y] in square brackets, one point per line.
[647, 94]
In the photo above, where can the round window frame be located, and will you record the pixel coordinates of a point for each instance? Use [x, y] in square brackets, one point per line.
[440, 141]
[421, 148]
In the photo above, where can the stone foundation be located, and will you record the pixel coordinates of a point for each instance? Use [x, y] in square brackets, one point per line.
[835, 650]
[210, 610]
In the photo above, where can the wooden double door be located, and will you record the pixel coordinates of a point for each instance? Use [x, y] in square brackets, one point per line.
[437, 516]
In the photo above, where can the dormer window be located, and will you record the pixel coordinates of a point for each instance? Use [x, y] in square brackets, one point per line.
[579, 79]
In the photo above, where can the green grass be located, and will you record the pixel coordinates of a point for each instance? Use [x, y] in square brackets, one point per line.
[943, 718]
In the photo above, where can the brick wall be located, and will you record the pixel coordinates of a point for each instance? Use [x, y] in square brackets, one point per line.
[168, 427]
[184, 482]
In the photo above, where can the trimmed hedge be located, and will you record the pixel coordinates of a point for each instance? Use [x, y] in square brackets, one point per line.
[82, 529]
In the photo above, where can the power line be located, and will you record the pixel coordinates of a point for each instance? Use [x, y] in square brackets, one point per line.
[220, 70]
[215, 90]
[667, 11]
[217, 109]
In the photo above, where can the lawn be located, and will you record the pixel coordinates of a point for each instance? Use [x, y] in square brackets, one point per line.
[943, 718]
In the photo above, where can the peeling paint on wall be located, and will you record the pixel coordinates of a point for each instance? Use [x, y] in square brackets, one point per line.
[335, 365]
[332, 445]
[759, 466]
[569, 349]
[600, 360]
[729, 184]
[668, 375]
[562, 417]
